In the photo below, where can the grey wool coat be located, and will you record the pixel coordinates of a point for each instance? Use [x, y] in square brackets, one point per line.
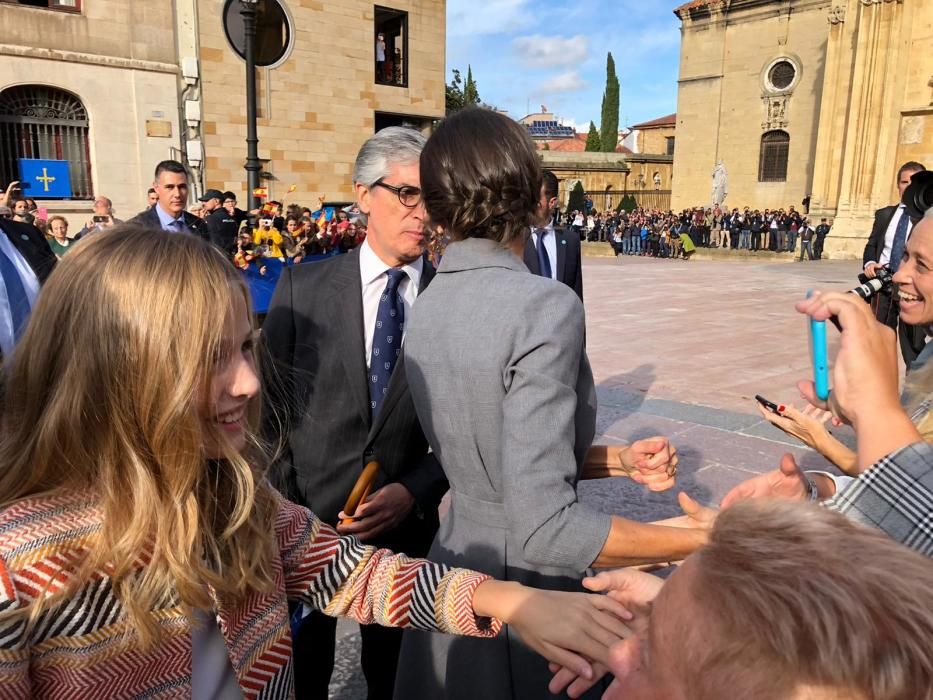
[504, 392]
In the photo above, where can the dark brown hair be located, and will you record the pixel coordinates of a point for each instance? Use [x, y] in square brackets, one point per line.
[481, 177]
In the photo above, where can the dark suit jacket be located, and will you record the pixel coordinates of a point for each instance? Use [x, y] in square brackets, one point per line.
[31, 244]
[317, 393]
[875, 245]
[150, 219]
[569, 265]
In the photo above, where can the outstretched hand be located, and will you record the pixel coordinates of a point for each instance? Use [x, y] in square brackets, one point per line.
[786, 482]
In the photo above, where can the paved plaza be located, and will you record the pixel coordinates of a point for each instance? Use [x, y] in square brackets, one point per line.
[680, 349]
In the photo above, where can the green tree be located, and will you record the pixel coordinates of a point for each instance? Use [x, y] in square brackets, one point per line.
[470, 93]
[454, 97]
[576, 201]
[609, 121]
[592, 139]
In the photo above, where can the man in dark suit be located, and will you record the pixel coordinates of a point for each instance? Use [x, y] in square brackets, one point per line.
[338, 396]
[885, 247]
[168, 213]
[551, 251]
[26, 261]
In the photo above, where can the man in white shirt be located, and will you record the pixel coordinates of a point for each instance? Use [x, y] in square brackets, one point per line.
[338, 394]
[552, 251]
[885, 247]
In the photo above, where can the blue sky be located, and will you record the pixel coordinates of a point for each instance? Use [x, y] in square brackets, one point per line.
[525, 53]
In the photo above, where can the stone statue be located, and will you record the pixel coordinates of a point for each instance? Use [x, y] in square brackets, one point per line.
[720, 184]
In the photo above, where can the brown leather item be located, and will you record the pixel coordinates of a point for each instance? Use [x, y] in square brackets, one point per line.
[361, 490]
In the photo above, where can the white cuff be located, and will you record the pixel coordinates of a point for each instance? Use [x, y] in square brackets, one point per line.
[840, 481]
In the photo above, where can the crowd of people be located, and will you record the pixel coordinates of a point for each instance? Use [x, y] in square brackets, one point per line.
[667, 234]
[182, 508]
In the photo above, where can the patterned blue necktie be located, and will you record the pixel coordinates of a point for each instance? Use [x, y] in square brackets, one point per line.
[544, 263]
[16, 295]
[900, 241]
[387, 340]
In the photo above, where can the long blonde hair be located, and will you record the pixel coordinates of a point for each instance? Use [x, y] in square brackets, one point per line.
[102, 396]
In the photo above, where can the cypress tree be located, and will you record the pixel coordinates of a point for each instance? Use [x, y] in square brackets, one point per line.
[470, 93]
[592, 139]
[609, 122]
[576, 201]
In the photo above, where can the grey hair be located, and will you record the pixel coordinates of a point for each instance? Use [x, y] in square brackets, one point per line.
[394, 145]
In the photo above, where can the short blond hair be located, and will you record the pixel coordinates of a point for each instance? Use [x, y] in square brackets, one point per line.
[796, 596]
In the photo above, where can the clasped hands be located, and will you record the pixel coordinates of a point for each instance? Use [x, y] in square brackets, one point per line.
[651, 462]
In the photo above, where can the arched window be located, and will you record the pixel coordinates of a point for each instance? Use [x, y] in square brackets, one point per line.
[37, 121]
[772, 161]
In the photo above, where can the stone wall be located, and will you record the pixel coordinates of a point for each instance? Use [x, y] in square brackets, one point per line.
[118, 57]
[725, 102]
[654, 140]
[318, 107]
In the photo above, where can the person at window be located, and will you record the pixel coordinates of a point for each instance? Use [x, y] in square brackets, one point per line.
[58, 236]
[168, 213]
[170, 558]
[380, 57]
[101, 219]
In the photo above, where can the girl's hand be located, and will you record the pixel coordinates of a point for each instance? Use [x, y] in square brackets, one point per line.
[807, 425]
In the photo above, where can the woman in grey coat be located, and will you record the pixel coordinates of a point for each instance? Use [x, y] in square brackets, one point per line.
[503, 389]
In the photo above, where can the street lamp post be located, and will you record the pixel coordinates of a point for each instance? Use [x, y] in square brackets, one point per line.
[249, 10]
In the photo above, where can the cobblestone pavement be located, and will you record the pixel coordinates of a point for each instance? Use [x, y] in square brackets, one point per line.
[680, 349]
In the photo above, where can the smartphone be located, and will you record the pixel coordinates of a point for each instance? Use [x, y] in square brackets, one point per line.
[770, 405]
[100, 219]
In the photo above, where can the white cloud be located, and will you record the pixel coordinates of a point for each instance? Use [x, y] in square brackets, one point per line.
[567, 81]
[466, 18]
[547, 51]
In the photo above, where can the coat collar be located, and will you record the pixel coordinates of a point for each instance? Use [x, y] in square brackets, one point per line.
[477, 254]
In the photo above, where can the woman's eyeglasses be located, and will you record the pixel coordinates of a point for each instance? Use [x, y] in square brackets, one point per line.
[408, 195]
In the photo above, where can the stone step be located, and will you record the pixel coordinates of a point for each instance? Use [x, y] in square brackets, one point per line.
[604, 250]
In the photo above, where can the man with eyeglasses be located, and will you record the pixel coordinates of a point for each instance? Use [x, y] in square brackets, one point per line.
[335, 375]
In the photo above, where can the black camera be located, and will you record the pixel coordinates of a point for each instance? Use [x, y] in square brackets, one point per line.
[881, 282]
[918, 197]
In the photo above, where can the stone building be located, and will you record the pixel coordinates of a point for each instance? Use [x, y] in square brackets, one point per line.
[828, 100]
[655, 136]
[321, 100]
[751, 79]
[93, 82]
[114, 86]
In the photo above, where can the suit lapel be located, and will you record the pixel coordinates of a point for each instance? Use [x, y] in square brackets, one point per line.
[560, 242]
[398, 382]
[349, 334]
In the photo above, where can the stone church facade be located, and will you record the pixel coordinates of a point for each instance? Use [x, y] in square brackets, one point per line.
[804, 97]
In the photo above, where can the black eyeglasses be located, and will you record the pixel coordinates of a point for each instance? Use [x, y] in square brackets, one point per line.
[408, 195]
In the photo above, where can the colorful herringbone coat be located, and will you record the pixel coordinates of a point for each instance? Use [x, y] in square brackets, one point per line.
[77, 650]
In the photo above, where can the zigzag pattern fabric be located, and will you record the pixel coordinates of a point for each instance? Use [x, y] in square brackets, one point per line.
[82, 648]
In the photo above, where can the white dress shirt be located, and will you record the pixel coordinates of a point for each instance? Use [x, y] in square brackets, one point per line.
[889, 234]
[373, 280]
[30, 285]
[550, 246]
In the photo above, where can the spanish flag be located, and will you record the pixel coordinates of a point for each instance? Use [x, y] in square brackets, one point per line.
[262, 192]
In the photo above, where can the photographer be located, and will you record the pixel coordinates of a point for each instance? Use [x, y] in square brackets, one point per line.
[889, 235]
[102, 218]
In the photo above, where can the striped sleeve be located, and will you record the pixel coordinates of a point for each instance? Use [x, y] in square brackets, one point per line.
[895, 496]
[342, 577]
[14, 650]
